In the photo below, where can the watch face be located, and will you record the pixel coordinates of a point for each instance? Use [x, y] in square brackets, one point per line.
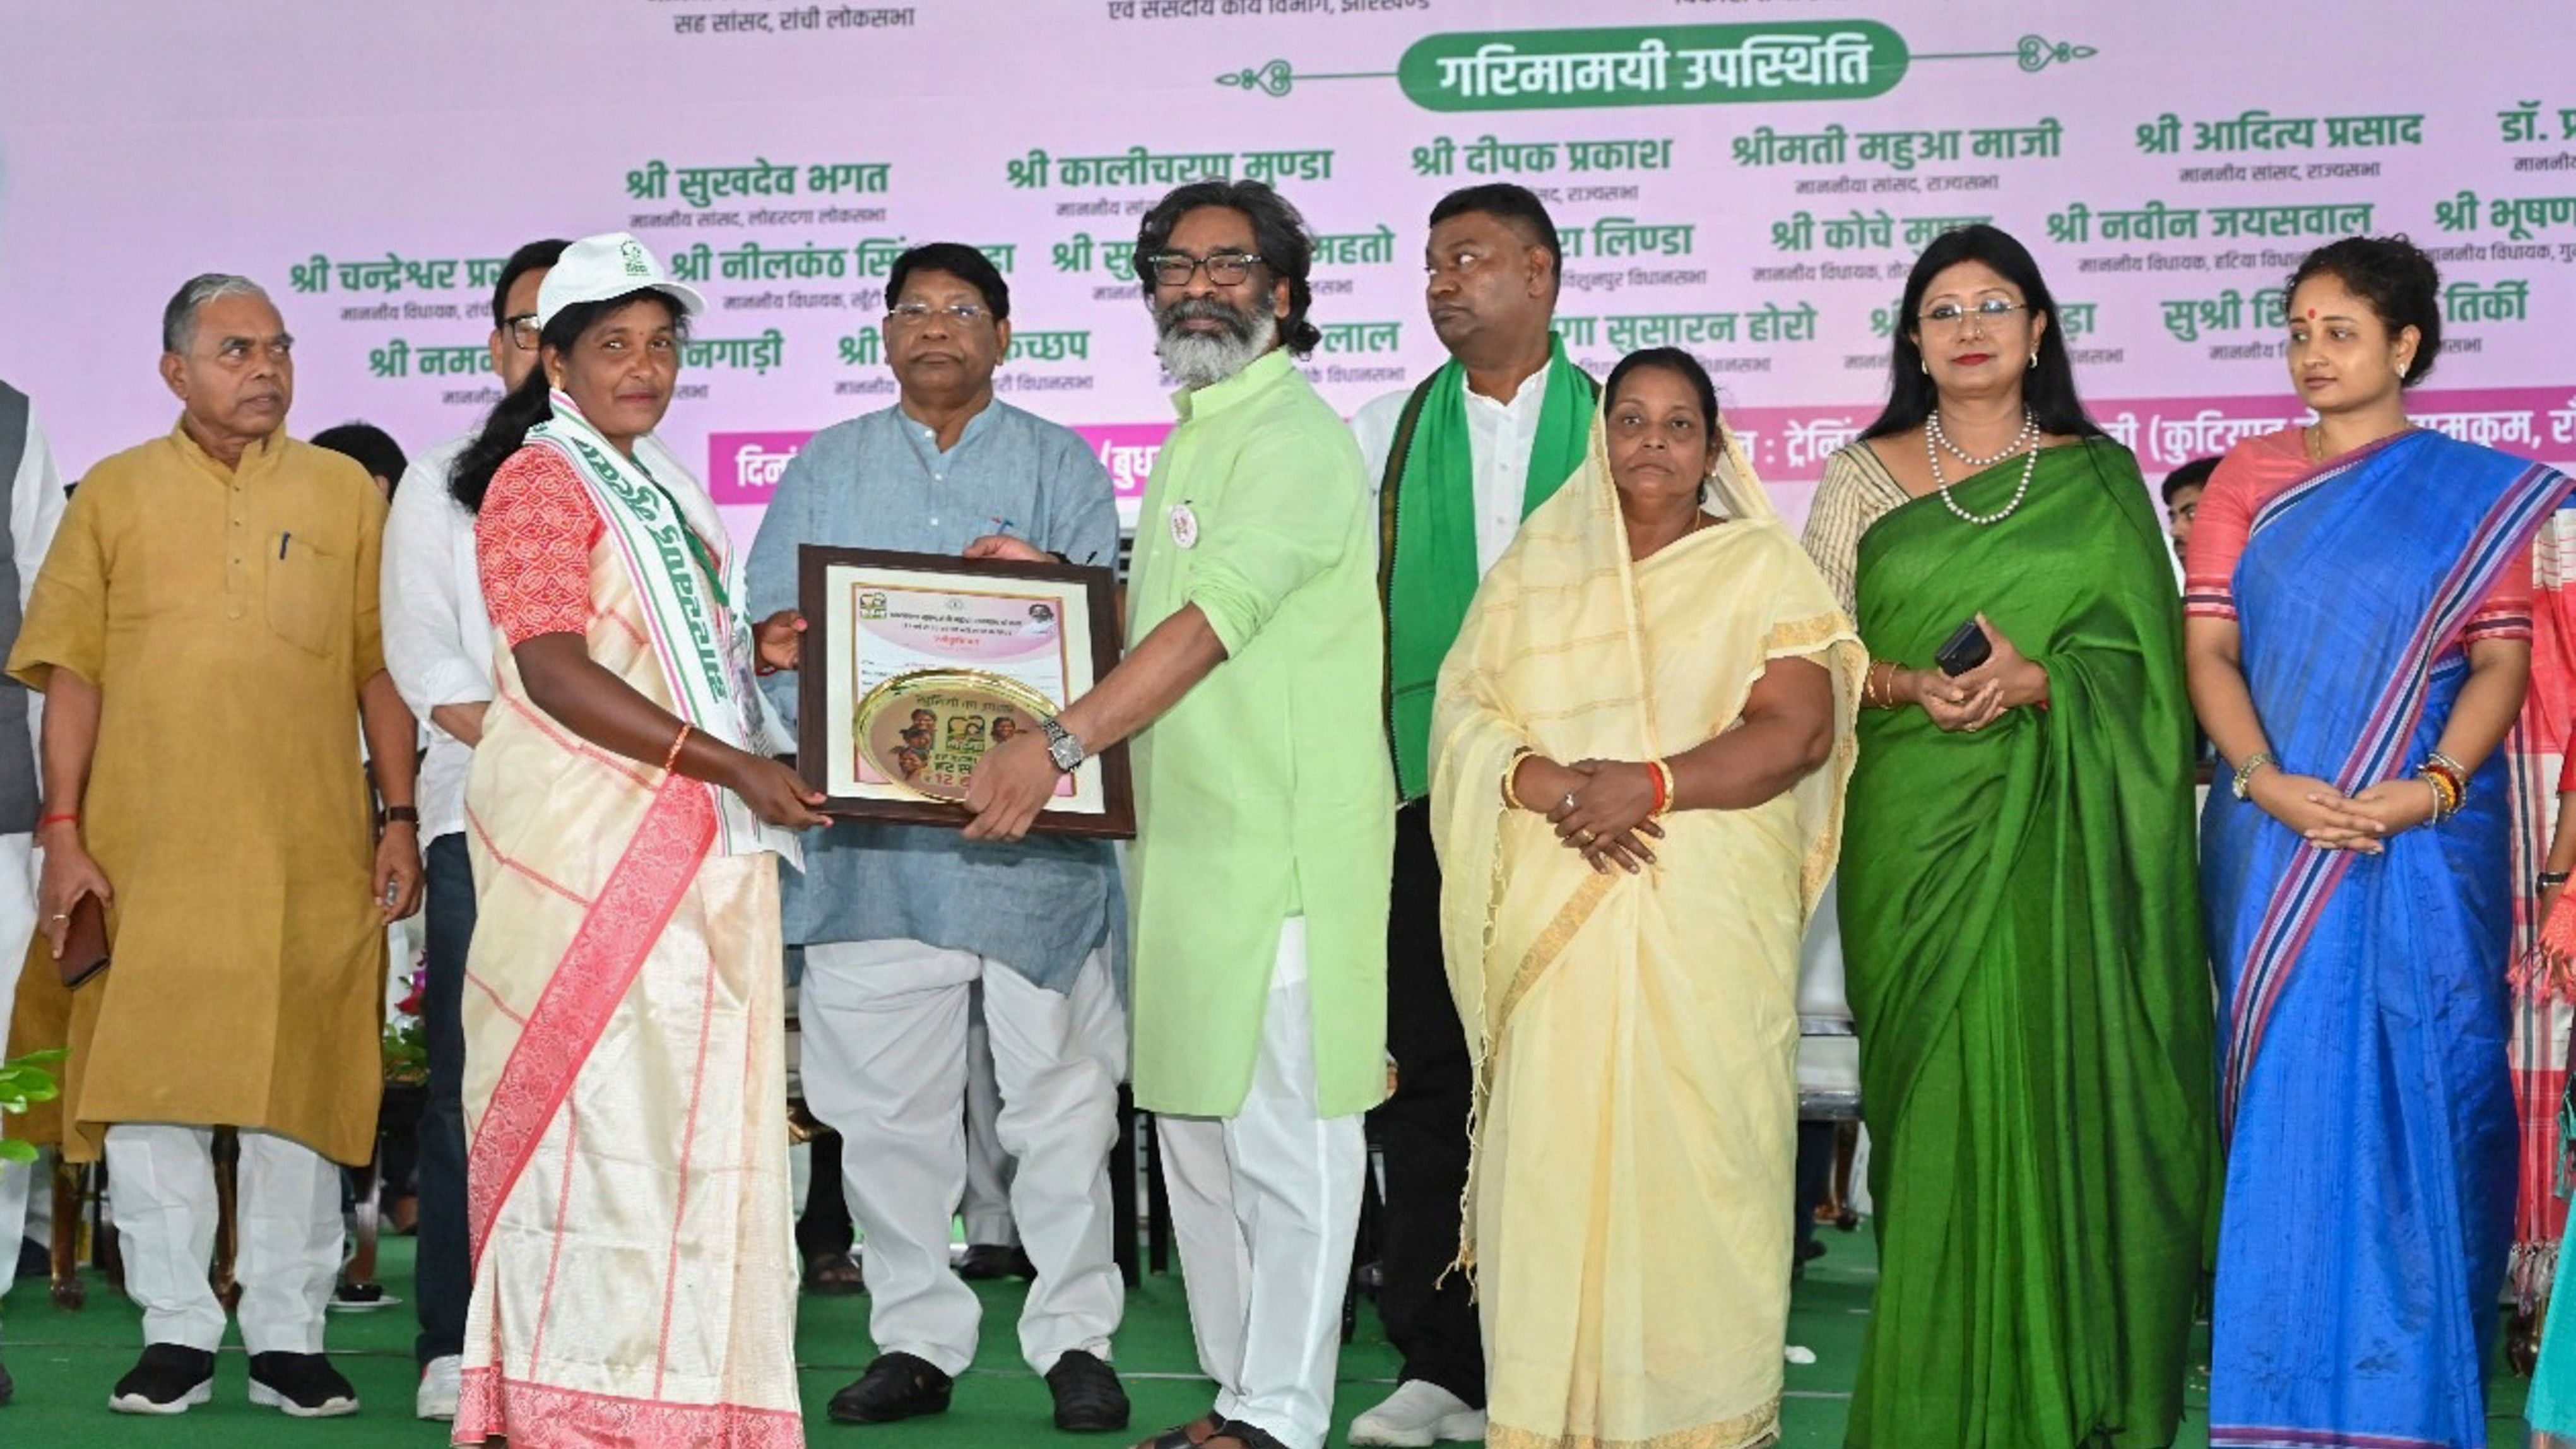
[1065, 750]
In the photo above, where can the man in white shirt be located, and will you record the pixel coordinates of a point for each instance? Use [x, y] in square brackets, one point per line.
[438, 645]
[35, 504]
[1456, 463]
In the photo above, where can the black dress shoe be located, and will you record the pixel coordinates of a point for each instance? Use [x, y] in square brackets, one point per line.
[300, 1385]
[988, 1262]
[897, 1386]
[168, 1379]
[1088, 1397]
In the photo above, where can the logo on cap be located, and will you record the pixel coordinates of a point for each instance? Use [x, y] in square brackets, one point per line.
[637, 265]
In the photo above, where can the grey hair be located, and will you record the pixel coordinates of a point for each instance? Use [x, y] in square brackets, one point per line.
[179, 319]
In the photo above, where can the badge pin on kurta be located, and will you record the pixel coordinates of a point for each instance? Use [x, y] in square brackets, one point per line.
[1185, 526]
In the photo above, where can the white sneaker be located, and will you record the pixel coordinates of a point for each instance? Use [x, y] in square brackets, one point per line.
[440, 1384]
[1418, 1414]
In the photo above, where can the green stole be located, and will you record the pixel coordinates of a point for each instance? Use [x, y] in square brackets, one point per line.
[1427, 563]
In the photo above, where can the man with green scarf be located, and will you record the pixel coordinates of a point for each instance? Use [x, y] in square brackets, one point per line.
[1458, 462]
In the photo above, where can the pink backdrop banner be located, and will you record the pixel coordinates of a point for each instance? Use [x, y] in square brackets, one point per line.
[1749, 181]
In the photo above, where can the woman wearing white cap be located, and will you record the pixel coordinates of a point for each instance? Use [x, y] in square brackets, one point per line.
[624, 1094]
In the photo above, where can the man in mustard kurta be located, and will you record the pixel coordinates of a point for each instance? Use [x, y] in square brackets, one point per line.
[1266, 812]
[204, 631]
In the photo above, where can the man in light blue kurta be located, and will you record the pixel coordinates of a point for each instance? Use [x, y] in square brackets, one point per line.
[901, 923]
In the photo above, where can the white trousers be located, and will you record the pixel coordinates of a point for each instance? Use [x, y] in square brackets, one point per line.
[17, 927]
[16, 1178]
[1264, 1206]
[884, 1027]
[988, 1168]
[162, 1180]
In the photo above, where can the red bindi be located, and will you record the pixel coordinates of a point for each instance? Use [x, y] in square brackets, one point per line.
[2312, 314]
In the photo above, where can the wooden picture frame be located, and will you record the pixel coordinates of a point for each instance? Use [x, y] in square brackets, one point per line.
[878, 623]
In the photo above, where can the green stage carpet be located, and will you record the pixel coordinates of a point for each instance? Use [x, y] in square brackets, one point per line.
[65, 1364]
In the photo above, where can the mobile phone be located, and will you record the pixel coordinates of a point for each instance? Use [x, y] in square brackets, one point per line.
[1965, 650]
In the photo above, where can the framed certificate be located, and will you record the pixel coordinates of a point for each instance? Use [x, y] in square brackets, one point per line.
[917, 663]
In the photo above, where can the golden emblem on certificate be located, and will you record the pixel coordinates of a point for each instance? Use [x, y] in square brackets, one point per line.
[917, 664]
[927, 729]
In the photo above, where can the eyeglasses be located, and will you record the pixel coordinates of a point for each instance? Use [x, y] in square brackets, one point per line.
[1225, 269]
[913, 314]
[1991, 311]
[523, 331]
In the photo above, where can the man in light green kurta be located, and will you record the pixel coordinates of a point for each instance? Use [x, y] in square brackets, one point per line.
[1266, 810]
[205, 633]
[1259, 797]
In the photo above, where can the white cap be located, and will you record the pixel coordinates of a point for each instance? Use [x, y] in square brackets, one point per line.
[599, 268]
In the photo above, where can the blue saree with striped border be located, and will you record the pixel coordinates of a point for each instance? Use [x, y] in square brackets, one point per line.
[2370, 1119]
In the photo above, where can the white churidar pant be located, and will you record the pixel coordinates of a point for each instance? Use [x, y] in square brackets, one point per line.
[17, 927]
[161, 1179]
[987, 1211]
[1264, 1207]
[884, 1027]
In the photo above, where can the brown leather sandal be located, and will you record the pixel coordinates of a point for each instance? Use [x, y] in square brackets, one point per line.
[1236, 1434]
[1185, 1436]
[834, 1275]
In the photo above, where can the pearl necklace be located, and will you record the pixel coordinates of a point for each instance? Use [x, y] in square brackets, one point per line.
[2028, 438]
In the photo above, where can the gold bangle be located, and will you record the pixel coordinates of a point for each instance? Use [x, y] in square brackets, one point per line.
[1511, 768]
[1884, 685]
[671, 761]
[1664, 788]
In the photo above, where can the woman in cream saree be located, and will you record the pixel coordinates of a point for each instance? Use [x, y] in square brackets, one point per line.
[1635, 1031]
[625, 1089]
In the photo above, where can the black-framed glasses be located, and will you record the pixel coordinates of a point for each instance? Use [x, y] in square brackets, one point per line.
[1991, 311]
[913, 314]
[1226, 269]
[523, 331]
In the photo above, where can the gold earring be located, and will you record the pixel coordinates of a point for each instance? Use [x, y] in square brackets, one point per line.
[2034, 357]
[1926, 366]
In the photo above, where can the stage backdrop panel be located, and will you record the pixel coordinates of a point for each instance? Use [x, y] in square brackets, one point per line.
[1749, 180]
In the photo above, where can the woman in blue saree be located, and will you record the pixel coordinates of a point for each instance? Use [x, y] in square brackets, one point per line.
[2358, 637]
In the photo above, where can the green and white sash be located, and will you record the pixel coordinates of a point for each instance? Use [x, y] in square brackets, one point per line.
[675, 546]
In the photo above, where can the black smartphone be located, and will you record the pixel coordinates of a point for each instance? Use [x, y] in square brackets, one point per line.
[1966, 649]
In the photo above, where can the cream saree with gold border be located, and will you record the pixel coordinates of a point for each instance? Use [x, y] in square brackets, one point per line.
[1636, 1038]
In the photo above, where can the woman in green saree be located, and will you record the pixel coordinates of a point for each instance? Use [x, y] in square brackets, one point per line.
[2020, 926]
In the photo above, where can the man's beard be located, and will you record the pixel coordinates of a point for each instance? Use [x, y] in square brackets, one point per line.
[1198, 359]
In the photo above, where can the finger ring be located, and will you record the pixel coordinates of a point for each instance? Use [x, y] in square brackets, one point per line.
[1569, 799]
[62, 915]
[1584, 838]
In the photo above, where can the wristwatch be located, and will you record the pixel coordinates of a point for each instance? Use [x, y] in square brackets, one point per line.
[1062, 747]
[399, 815]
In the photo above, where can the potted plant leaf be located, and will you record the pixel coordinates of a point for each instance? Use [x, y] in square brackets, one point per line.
[22, 1083]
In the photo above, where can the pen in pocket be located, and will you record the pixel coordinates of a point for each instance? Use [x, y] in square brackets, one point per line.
[281, 543]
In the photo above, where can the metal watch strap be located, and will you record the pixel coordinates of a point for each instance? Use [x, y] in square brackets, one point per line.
[2244, 782]
[1060, 743]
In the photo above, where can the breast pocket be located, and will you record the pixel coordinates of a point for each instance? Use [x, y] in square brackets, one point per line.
[308, 595]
